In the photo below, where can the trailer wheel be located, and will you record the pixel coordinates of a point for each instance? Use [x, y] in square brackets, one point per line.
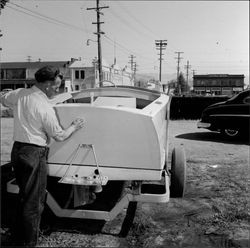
[178, 172]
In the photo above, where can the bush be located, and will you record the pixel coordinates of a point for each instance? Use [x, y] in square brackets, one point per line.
[191, 107]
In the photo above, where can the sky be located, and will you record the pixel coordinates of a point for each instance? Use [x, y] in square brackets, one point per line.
[213, 36]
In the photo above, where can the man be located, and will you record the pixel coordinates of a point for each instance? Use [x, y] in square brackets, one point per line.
[35, 122]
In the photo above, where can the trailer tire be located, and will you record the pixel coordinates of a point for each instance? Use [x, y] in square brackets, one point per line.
[178, 172]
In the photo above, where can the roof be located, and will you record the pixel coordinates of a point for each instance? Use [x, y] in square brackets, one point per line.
[32, 65]
[87, 63]
[17, 81]
[127, 69]
[81, 64]
[219, 76]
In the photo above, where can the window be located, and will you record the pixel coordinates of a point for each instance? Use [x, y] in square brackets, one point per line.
[77, 87]
[76, 74]
[239, 82]
[79, 74]
[15, 74]
[214, 82]
[247, 100]
[82, 74]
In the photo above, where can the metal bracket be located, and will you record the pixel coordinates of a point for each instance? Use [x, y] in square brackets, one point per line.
[94, 179]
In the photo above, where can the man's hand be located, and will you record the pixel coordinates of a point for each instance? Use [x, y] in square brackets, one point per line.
[78, 123]
[65, 134]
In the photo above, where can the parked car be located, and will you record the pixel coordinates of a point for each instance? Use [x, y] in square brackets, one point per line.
[231, 118]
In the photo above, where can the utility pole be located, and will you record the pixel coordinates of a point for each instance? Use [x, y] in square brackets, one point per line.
[187, 67]
[178, 70]
[29, 58]
[135, 69]
[0, 37]
[98, 33]
[131, 61]
[114, 52]
[160, 45]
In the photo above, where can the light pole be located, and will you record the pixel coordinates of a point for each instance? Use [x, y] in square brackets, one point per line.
[88, 40]
[94, 61]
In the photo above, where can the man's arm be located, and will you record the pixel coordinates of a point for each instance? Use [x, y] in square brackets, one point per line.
[66, 133]
[8, 99]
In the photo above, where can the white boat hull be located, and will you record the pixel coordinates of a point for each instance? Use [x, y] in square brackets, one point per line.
[128, 143]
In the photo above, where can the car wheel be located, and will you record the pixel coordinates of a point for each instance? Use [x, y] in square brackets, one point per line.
[231, 132]
[178, 172]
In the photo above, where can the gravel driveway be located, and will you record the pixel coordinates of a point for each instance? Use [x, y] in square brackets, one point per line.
[213, 213]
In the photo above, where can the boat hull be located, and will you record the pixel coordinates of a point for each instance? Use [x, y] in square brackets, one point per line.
[123, 143]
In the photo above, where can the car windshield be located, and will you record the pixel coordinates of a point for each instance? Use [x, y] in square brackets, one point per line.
[234, 97]
[242, 94]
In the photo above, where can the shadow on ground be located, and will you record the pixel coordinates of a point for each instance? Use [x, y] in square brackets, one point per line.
[214, 137]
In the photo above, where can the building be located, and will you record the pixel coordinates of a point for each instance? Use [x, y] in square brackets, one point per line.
[82, 75]
[85, 74]
[218, 84]
[21, 74]
[78, 74]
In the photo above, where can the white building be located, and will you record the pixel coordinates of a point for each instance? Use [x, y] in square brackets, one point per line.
[85, 74]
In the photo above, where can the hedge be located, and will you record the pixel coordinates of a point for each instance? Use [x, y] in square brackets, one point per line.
[191, 107]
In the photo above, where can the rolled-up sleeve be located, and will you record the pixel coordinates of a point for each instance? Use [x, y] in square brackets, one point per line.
[9, 99]
[50, 122]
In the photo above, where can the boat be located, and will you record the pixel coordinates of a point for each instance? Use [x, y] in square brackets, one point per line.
[119, 157]
[125, 134]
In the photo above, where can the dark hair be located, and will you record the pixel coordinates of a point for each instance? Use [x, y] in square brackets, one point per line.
[47, 73]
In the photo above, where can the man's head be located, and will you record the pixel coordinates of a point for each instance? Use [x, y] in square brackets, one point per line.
[49, 80]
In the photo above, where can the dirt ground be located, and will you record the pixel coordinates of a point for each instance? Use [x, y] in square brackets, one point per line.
[215, 210]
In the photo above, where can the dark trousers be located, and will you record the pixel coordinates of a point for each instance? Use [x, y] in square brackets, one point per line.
[30, 168]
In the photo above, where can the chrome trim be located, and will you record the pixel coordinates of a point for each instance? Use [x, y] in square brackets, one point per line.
[203, 125]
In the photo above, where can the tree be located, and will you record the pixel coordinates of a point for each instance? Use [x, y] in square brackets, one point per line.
[2, 3]
[181, 85]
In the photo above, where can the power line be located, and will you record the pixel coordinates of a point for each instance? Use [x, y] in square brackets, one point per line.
[43, 17]
[48, 19]
[131, 27]
[38, 17]
[128, 50]
[139, 22]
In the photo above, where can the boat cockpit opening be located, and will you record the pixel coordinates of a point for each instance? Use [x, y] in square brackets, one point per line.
[116, 96]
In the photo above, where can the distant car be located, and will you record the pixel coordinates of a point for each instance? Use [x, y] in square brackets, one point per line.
[231, 118]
